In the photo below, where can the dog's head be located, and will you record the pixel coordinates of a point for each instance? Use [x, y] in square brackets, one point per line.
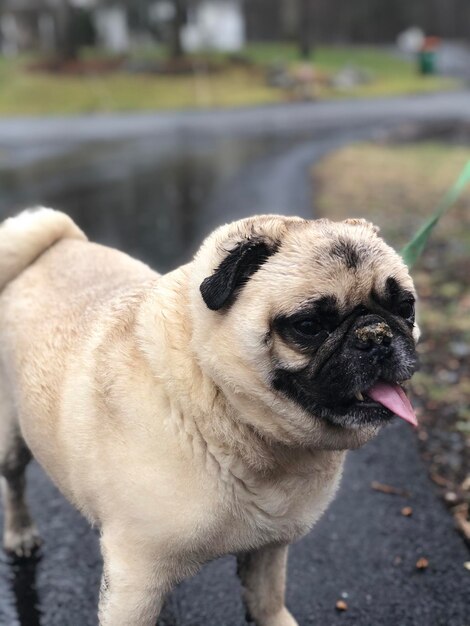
[311, 322]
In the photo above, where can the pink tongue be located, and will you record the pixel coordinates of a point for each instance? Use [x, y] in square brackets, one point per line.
[393, 397]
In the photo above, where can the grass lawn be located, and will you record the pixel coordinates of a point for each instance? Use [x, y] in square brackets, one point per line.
[397, 187]
[392, 75]
[23, 92]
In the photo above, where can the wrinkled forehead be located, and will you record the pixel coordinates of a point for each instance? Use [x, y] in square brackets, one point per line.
[339, 267]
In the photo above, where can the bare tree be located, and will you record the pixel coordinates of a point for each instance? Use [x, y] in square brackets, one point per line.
[66, 41]
[305, 28]
[179, 17]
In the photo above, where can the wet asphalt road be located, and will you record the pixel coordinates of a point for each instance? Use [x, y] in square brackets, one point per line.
[154, 185]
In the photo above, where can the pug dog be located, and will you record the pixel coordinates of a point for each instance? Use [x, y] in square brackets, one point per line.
[203, 412]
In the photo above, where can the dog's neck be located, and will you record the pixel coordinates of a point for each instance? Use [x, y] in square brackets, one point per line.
[223, 429]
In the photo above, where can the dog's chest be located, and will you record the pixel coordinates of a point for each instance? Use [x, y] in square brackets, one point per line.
[258, 512]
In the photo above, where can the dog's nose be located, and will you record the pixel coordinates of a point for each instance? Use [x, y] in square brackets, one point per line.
[376, 336]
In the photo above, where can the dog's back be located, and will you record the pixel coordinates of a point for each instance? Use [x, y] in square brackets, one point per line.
[53, 285]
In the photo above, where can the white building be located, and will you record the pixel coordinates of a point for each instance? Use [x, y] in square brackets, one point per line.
[112, 28]
[214, 25]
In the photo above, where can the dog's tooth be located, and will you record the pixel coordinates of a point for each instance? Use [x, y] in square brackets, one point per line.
[359, 396]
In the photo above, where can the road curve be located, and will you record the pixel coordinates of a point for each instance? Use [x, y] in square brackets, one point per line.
[38, 135]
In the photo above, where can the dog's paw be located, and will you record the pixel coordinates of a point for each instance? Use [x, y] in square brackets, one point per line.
[283, 618]
[22, 543]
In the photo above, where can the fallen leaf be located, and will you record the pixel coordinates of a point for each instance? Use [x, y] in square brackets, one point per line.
[389, 489]
[341, 605]
[407, 511]
[466, 484]
[461, 519]
[467, 565]
[440, 480]
[422, 563]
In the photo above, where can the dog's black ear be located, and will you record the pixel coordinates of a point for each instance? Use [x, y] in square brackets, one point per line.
[219, 290]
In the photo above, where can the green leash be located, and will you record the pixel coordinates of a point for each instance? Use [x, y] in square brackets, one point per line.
[414, 248]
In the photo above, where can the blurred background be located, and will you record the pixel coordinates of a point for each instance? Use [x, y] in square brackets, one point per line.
[151, 122]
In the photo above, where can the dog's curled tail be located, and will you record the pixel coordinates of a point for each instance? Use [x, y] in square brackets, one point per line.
[25, 237]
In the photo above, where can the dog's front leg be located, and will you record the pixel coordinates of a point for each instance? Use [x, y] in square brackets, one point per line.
[263, 577]
[135, 582]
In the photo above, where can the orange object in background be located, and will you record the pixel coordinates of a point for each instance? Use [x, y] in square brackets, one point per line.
[427, 55]
[430, 44]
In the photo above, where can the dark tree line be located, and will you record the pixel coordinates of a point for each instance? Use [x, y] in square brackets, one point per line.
[306, 21]
[354, 21]
[73, 25]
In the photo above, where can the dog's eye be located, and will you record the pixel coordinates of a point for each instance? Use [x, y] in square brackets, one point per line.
[406, 310]
[309, 327]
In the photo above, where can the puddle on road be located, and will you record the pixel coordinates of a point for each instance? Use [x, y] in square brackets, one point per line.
[25, 592]
[149, 198]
